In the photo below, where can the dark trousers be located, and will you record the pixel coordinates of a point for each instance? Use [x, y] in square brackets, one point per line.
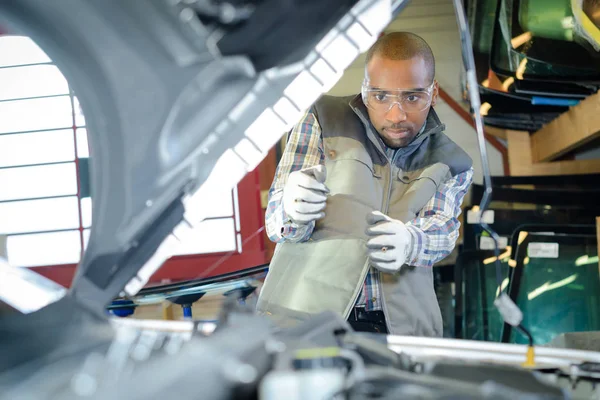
[367, 321]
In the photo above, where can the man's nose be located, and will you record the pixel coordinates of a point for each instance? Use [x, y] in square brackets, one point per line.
[395, 114]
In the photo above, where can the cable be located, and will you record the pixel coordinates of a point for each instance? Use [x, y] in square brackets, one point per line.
[228, 255]
[507, 308]
[357, 368]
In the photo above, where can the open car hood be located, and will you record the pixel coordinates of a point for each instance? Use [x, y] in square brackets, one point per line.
[180, 96]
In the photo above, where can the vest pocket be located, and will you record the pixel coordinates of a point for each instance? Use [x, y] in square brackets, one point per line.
[357, 155]
[436, 173]
[412, 190]
[355, 191]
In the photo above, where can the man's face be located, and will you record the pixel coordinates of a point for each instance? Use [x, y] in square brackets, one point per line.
[396, 127]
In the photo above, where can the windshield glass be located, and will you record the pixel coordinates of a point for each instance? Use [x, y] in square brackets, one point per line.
[481, 318]
[557, 285]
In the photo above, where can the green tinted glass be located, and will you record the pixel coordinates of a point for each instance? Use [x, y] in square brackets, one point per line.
[557, 286]
[481, 319]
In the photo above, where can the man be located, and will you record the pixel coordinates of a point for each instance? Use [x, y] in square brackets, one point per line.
[365, 200]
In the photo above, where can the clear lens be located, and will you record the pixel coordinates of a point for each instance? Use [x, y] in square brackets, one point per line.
[409, 101]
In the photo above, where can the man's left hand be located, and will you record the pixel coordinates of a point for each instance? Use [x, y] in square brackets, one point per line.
[389, 244]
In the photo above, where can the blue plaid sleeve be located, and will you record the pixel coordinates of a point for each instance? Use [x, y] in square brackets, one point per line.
[304, 149]
[436, 228]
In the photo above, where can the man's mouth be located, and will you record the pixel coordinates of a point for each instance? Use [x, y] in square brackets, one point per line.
[398, 133]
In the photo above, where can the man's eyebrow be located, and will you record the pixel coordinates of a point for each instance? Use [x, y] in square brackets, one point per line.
[424, 89]
[418, 89]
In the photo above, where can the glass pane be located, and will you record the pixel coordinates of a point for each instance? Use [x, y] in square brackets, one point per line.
[35, 114]
[39, 215]
[79, 118]
[83, 151]
[36, 148]
[507, 220]
[86, 212]
[83, 169]
[559, 287]
[19, 50]
[213, 203]
[86, 238]
[39, 181]
[31, 81]
[212, 236]
[44, 249]
[482, 320]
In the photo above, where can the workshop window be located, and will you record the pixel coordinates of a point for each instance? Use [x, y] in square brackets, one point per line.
[45, 198]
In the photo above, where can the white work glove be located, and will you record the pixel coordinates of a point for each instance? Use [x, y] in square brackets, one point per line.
[304, 195]
[388, 247]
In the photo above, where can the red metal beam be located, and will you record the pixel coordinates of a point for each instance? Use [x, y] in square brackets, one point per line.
[469, 120]
[61, 274]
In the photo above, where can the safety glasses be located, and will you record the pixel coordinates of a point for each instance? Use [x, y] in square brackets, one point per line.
[409, 101]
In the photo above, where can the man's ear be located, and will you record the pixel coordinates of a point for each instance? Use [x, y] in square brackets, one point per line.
[435, 93]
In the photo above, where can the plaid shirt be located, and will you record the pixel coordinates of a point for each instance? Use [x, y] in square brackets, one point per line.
[434, 231]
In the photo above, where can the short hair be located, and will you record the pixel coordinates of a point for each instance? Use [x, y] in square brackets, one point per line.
[402, 46]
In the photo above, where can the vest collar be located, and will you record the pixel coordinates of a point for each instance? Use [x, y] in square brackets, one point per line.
[432, 124]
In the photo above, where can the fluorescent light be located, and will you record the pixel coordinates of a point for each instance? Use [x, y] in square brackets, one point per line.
[355, 32]
[374, 17]
[267, 121]
[287, 111]
[325, 73]
[228, 171]
[302, 89]
[238, 111]
[327, 39]
[340, 53]
[249, 153]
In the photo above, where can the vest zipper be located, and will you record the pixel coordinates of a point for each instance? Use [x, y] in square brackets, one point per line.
[366, 270]
[387, 207]
[358, 290]
[389, 196]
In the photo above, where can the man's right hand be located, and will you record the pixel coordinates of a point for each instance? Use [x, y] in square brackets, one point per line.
[305, 194]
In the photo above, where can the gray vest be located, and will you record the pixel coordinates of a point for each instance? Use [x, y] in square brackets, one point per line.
[328, 271]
